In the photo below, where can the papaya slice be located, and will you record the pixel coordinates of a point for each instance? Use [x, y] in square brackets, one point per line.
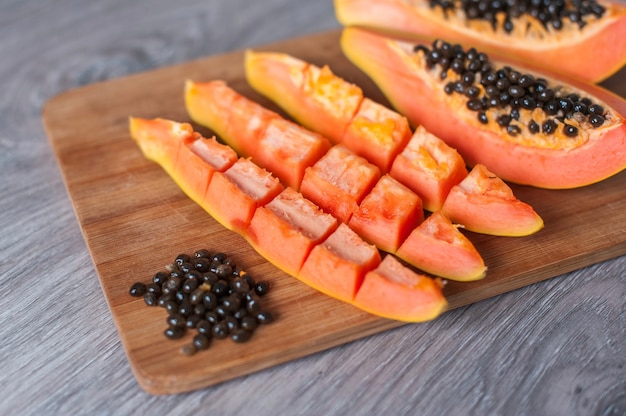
[387, 214]
[367, 128]
[509, 216]
[564, 40]
[338, 265]
[397, 292]
[339, 181]
[247, 186]
[526, 128]
[287, 229]
[429, 167]
[442, 250]
[188, 157]
[327, 105]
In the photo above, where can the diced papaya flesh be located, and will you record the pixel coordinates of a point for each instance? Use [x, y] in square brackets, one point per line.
[508, 215]
[442, 250]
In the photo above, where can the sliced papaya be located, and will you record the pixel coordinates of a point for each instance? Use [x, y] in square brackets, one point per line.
[287, 229]
[326, 106]
[397, 292]
[526, 128]
[367, 128]
[247, 185]
[338, 265]
[387, 214]
[481, 188]
[441, 249]
[188, 157]
[339, 181]
[344, 184]
[581, 39]
[429, 167]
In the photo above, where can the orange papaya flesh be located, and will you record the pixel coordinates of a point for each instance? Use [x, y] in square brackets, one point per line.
[397, 292]
[367, 128]
[593, 52]
[281, 146]
[160, 139]
[387, 214]
[233, 118]
[338, 265]
[197, 160]
[329, 186]
[317, 99]
[546, 159]
[286, 229]
[247, 186]
[481, 188]
[377, 133]
[442, 250]
[429, 167]
[338, 182]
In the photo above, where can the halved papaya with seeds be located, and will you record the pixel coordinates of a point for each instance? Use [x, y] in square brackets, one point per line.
[526, 128]
[581, 39]
[442, 250]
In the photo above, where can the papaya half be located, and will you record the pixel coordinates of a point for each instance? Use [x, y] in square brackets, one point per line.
[286, 228]
[524, 127]
[581, 39]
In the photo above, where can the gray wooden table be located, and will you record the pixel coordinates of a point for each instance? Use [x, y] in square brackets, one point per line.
[553, 348]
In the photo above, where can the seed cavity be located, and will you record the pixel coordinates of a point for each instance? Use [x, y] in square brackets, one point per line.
[508, 92]
[552, 15]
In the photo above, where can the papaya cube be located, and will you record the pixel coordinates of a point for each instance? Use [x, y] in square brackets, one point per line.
[287, 149]
[395, 291]
[233, 196]
[338, 182]
[337, 266]
[377, 133]
[197, 160]
[285, 230]
[439, 248]
[429, 167]
[388, 214]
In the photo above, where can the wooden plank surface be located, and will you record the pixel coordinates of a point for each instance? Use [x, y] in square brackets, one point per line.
[135, 220]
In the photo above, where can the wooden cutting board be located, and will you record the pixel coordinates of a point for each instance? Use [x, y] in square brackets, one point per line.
[135, 220]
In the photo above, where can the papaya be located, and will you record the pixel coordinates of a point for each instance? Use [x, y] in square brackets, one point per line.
[580, 39]
[380, 209]
[437, 243]
[491, 192]
[392, 289]
[524, 127]
[292, 232]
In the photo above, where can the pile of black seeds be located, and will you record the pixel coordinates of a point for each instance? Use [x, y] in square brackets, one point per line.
[209, 294]
[508, 91]
[550, 13]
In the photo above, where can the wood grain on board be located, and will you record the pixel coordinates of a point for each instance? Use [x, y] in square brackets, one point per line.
[135, 220]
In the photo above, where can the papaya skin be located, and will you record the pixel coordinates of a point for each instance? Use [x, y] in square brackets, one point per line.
[386, 62]
[593, 54]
